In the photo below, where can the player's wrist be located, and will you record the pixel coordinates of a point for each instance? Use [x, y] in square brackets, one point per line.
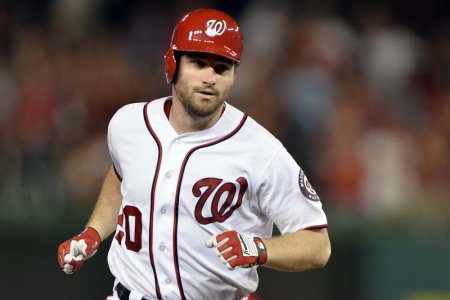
[262, 251]
[92, 233]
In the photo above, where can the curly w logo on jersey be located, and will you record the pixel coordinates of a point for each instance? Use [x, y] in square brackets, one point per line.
[220, 210]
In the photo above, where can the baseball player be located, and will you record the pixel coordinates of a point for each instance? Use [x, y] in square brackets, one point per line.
[196, 185]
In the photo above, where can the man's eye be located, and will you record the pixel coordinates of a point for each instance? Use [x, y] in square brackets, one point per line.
[199, 63]
[221, 68]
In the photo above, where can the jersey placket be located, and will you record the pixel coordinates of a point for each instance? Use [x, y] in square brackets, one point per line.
[164, 218]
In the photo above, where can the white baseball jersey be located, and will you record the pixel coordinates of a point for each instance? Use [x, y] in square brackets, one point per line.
[179, 190]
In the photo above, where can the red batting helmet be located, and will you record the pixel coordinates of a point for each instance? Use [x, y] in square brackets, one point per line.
[204, 30]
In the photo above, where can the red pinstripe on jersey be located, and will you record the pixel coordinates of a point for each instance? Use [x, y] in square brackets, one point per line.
[152, 200]
[177, 196]
[317, 227]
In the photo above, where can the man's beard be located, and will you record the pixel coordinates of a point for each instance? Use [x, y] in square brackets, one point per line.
[195, 108]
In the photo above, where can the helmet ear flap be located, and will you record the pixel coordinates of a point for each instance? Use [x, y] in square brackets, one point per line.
[171, 65]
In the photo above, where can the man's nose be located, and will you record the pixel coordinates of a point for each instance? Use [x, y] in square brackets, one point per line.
[209, 75]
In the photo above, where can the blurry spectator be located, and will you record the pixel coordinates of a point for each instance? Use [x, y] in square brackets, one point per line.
[390, 180]
[321, 51]
[391, 54]
[340, 167]
[254, 91]
[75, 17]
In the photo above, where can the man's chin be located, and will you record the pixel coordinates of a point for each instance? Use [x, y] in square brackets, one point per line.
[203, 109]
[195, 112]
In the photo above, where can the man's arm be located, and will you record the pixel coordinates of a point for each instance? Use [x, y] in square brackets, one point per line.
[75, 251]
[298, 251]
[104, 216]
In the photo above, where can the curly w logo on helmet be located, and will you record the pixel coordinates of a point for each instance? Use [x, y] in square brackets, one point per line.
[215, 27]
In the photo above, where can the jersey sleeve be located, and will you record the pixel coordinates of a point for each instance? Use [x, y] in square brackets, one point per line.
[286, 196]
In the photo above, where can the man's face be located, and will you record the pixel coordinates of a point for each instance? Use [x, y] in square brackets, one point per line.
[203, 83]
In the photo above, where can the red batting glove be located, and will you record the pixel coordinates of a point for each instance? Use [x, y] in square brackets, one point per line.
[75, 251]
[236, 250]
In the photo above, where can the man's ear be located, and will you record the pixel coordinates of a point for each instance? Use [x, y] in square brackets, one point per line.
[177, 55]
[235, 70]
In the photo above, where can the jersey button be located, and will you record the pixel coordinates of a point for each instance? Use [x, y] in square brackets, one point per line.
[168, 281]
[163, 210]
[162, 248]
[168, 175]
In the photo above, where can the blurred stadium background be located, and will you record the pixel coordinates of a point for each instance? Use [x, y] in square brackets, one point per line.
[359, 91]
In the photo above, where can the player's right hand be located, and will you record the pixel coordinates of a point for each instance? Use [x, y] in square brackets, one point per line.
[75, 251]
[238, 251]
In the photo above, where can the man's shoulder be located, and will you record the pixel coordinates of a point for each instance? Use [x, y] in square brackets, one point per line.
[255, 132]
[260, 133]
[132, 110]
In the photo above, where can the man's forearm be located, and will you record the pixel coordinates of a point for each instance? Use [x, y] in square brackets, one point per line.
[104, 216]
[299, 251]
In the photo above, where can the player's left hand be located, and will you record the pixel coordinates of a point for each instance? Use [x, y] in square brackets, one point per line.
[75, 251]
[236, 250]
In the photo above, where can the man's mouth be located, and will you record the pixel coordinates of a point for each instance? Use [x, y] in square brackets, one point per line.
[207, 92]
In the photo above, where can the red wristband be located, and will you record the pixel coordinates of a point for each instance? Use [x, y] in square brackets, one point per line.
[262, 251]
[92, 233]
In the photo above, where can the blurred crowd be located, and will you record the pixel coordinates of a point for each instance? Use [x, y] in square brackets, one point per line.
[359, 94]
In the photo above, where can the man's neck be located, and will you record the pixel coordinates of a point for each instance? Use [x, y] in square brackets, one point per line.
[183, 122]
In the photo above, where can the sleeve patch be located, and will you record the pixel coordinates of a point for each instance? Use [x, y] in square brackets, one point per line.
[306, 188]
